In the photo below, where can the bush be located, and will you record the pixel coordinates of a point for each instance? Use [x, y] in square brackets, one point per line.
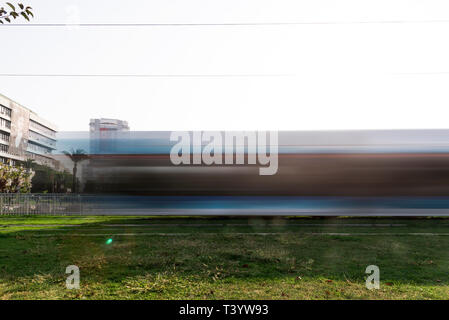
[49, 180]
[15, 179]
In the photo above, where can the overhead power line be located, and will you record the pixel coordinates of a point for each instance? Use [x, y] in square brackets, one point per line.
[421, 73]
[61, 75]
[219, 24]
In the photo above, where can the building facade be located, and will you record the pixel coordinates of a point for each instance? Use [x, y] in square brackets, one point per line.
[24, 135]
[104, 138]
[104, 133]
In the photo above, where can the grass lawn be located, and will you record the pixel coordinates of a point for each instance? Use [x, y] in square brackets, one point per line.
[219, 258]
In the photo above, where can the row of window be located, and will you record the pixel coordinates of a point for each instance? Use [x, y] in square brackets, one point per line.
[10, 162]
[41, 159]
[34, 124]
[39, 149]
[5, 123]
[4, 110]
[4, 148]
[4, 136]
[41, 138]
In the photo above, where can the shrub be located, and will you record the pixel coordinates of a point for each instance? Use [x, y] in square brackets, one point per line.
[15, 179]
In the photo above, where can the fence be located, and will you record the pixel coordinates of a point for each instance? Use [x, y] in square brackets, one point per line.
[40, 204]
[85, 204]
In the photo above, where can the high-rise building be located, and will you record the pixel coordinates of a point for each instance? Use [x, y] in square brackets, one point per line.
[103, 134]
[105, 138]
[24, 135]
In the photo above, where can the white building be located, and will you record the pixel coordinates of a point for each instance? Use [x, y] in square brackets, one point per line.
[24, 135]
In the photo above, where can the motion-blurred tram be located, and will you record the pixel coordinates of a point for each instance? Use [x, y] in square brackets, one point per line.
[326, 163]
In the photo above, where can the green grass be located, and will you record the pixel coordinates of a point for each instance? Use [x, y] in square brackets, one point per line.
[218, 258]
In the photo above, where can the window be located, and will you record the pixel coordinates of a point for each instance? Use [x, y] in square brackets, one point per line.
[38, 126]
[4, 148]
[41, 159]
[41, 138]
[4, 110]
[37, 149]
[5, 123]
[4, 136]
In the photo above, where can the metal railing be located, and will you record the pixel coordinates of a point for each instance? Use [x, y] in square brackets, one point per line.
[17, 204]
[40, 204]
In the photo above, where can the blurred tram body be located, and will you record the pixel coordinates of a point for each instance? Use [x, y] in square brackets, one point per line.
[379, 174]
[311, 163]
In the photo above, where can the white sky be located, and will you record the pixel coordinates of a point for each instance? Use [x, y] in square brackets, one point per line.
[330, 76]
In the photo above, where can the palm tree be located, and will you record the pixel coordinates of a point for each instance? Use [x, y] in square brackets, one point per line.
[76, 156]
[29, 163]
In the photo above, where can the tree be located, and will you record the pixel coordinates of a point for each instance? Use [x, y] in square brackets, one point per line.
[47, 179]
[14, 13]
[29, 163]
[76, 156]
[15, 179]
